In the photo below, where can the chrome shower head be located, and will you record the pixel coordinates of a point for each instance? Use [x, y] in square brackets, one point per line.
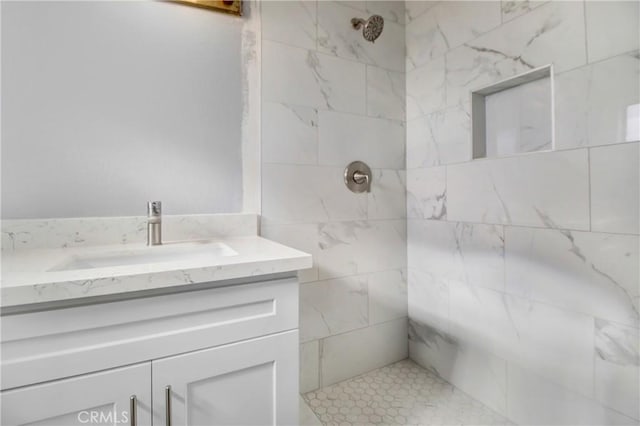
[371, 28]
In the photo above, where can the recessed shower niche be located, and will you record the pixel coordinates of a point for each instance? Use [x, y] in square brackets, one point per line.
[514, 116]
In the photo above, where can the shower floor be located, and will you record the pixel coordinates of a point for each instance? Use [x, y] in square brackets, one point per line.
[399, 394]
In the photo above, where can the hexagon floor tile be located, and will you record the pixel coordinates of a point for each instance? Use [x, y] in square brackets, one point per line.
[399, 394]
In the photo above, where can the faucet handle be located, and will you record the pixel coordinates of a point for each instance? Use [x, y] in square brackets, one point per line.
[154, 208]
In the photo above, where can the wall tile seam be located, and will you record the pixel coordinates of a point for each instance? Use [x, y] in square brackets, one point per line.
[502, 293]
[407, 22]
[352, 330]
[321, 379]
[532, 227]
[328, 55]
[620, 324]
[442, 110]
[357, 10]
[586, 30]
[525, 13]
[394, 320]
[330, 222]
[320, 356]
[520, 156]
[316, 26]
[515, 156]
[593, 399]
[590, 204]
[587, 63]
[594, 381]
[559, 307]
[386, 14]
[362, 274]
[509, 293]
[479, 35]
[451, 48]
[320, 109]
[402, 171]
[628, 53]
[533, 371]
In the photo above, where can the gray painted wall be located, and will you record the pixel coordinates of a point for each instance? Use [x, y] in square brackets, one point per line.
[106, 105]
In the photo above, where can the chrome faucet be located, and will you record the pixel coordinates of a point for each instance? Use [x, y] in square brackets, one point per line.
[154, 223]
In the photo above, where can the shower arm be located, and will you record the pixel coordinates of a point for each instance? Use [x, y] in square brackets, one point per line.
[357, 23]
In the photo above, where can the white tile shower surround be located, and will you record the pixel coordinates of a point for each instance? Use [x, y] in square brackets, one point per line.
[494, 239]
[523, 274]
[328, 98]
[399, 394]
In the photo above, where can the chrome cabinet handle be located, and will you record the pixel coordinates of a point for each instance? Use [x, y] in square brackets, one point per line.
[167, 404]
[133, 410]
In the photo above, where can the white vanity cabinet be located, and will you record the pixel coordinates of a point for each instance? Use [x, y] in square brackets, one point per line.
[105, 398]
[212, 356]
[247, 383]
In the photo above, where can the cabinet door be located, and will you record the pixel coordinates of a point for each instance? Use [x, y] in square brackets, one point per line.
[94, 399]
[254, 382]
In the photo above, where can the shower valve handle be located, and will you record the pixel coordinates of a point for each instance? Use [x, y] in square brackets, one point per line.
[360, 178]
[357, 177]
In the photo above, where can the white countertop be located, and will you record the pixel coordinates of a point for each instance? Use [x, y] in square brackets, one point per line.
[31, 276]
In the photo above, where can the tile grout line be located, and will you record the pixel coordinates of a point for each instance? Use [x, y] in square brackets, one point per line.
[590, 213]
[586, 42]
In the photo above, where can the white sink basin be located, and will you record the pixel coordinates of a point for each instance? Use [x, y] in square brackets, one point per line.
[139, 256]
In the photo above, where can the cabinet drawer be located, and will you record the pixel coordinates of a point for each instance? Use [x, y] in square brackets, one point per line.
[44, 346]
[99, 398]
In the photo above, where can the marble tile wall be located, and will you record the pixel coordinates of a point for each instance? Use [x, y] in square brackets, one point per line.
[523, 272]
[328, 98]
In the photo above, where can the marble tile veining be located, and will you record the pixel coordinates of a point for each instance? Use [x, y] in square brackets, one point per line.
[357, 247]
[398, 394]
[385, 93]
[617, 353]
[473, 370]
[426, 88]
[428, 303]
[526, 333]
[427, 193]
[337, 37]
[588, 272]
[471, 254]
[297, 76]
[319, 197]
[440, 138]
[446, 26]
[299, 145]
[333, 306]
[541, 189]
[387, 199]
[537, 318]
[514, 8]
[552, 33]
[290, 22]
